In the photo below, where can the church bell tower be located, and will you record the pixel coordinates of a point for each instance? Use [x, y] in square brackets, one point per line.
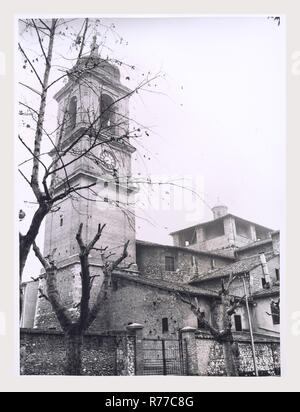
[92, 133]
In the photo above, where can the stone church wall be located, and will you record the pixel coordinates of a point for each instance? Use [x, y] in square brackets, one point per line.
[151, 263]
[132, 302]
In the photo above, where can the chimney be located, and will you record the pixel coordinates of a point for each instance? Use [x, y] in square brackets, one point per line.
[265, 268]
[220, 211]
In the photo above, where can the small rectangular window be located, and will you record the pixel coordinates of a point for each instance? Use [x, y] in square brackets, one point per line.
[192, 260]
[212, 263]
[277, 273]
[165, 325]
[264, 283]
[61, 222]
[105, 184]
[106, 199]
[170, 264]
[238, 323]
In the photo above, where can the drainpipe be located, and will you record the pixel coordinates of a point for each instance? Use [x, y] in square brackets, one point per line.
[251, 329]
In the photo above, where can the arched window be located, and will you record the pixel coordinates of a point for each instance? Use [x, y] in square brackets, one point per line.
[107, 112]
[72, 112]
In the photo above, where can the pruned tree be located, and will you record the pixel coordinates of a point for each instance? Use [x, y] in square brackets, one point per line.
[74, 329]
[223, 332]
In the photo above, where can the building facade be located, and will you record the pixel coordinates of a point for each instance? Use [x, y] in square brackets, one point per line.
[94, 112]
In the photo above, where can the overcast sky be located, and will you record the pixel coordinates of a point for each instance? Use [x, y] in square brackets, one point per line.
[218, 120]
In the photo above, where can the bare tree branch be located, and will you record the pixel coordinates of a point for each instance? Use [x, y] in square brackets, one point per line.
[236, 305]
[42, 295]
[52, 290]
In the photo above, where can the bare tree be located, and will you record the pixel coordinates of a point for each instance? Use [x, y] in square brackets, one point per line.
[74, 329]
[222, 333]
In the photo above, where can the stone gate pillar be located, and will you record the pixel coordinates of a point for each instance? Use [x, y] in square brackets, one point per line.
[189, 342]
[136, 329]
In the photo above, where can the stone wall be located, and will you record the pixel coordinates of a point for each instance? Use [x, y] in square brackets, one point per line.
[268, 359]
[261, 247]
[43, 353]
[211, 358]
[151, 262]
[204, 355]
[132, 302]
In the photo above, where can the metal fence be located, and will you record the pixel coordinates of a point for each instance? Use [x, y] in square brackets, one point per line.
[163, 357]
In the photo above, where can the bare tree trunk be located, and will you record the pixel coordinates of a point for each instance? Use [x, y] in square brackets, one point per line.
[74, 343]
[222, 332]
[230, 364]
[74, 331]
[26, 241]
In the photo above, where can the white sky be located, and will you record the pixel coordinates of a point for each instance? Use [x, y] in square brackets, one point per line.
[219, 122]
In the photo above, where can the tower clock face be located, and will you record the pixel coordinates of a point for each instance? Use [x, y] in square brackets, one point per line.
[108, 159]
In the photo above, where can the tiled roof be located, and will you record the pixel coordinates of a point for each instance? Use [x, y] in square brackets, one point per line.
[275, 290]
[166, 285]
[241, 266]
[184, 249]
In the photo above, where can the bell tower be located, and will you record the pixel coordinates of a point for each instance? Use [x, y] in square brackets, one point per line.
[93, 136]
[93, 118]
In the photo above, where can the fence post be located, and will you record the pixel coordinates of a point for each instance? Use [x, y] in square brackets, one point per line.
[188, 336]
[137, 330]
